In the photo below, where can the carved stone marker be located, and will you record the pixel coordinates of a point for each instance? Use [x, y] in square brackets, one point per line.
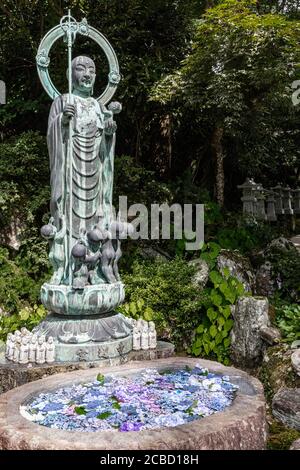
[251, 324]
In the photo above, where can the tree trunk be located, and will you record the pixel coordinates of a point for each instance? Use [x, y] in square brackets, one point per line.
[166, 132]
[210, 4]
[217, 151]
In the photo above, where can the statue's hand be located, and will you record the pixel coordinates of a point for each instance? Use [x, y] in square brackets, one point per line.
[68, 113]
[110, 126]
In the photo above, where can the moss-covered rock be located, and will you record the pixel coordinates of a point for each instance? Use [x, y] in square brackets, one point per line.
[281, 438]
[239, 266]
[277, 372]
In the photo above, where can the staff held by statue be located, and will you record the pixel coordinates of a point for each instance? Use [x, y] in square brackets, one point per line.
[70, 28]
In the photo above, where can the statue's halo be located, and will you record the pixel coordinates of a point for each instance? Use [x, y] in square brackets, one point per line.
[43, 60]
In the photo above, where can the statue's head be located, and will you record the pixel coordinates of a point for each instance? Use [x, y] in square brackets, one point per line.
[83, 74]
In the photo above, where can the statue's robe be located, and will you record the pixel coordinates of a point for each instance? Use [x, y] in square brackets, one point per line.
[92, 166]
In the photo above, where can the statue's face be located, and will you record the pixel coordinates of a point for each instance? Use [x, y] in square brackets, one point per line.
[83, 74]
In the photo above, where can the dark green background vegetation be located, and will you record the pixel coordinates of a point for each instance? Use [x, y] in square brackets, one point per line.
[206, 92]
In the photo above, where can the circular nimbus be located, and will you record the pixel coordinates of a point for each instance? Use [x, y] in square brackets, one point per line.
[43, 60]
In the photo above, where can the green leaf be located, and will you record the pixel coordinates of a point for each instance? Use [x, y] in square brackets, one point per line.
[104, 415]
[223, 287]
[215, 278]
[227, 342]
[228, 325]
[140, 303]
[200, 329]
[116, 406]
[148, 314]
[212, 314]
[226, 311]
[133, 310]
[226, 272]
[116, 426]
[198, 343]
[204, 247]
[215, 249]
[101, 378]
[207, 257]
[240, 289]
[230, 295]
[196, 351]
[206, 337]
[218, 338]
[215, 298]
[213, 331]
[41, 311]
[80, 410]
[24, 314]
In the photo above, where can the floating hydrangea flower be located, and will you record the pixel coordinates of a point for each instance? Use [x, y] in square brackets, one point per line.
[128, 426]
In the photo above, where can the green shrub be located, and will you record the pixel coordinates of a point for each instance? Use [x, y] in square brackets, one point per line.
[28, 317]
[286, 268]
[138, 310]
[24, 186]
[33, 257]
[288, 320]
[17, 288]
[212, 336]
[165, 287]
[197, 320]
[237, 233]
[138, 184]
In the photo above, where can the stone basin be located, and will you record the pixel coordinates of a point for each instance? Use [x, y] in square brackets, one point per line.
[242, 426]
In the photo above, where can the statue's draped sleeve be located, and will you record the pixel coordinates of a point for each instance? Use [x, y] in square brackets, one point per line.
[107, 151]
[56, 143]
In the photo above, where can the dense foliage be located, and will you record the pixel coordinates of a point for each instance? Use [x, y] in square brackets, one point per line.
[236, 85]
[168, 297]
[286, 268]
[26, 317]
[288, 320]
[206, 92]
[212, 338]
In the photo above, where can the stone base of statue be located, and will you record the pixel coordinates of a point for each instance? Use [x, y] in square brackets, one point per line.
[92, 300]
[89, 338]
[84, 323]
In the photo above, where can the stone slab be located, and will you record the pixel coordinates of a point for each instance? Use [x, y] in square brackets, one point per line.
[286, 407]
[296, 241]
[295, 358]
[250, 316]
[242, 426]
[12, 375]
[295, 445]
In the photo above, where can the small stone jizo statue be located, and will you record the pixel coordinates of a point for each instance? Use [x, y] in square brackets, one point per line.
[50, 350]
